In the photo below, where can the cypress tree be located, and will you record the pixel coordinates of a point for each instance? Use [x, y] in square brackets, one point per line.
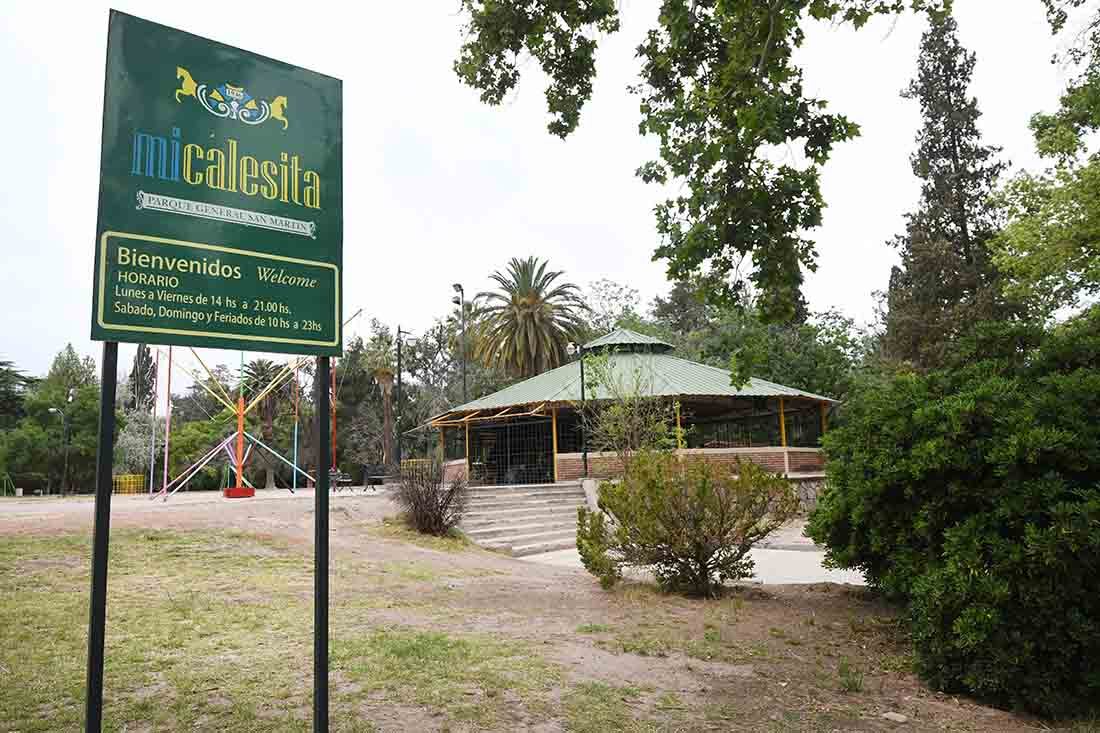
[946, 281]
[142, 375]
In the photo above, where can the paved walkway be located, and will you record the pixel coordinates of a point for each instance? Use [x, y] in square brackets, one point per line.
[785, 557]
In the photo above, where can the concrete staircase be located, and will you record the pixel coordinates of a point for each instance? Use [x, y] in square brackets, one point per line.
[524, 520]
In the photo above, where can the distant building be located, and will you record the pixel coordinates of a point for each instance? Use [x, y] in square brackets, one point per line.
[530, 432]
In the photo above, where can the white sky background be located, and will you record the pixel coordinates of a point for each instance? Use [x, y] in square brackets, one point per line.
[440, 188]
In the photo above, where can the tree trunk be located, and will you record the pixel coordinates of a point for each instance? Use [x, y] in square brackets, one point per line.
[269, 434]
[385, 383]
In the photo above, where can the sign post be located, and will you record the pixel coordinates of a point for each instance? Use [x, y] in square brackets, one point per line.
[101, 529]
[220, 225]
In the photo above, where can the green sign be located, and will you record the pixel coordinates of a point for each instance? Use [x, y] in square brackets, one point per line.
[220, 198]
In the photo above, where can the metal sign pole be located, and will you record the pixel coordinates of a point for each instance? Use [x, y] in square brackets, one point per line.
[101, 537]
[320, 544]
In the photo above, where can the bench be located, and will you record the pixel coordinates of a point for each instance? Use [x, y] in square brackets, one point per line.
[373, 475]
[338, 479]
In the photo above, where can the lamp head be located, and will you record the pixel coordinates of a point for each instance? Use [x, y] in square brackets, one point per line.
[456, 300]
[457, 287]
[55, 411]
[572, 349]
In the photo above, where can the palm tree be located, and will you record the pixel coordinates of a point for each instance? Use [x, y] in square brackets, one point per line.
[379, 358]
[526, 326]
[258, 373]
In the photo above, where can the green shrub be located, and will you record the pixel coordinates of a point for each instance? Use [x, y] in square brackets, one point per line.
[850, 676]
[692, 524]
[1013, 612]
[970, 494]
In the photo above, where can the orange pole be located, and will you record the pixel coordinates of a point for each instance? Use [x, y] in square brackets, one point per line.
[333, 414]
[240, 441]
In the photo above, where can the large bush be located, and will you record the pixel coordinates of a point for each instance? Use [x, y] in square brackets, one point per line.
[691, 523]
[972, 494]
[431, 504]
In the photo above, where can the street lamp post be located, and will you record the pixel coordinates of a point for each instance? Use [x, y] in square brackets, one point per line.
[460, 301]
[397, 418]
[579, 350]
[65, 436]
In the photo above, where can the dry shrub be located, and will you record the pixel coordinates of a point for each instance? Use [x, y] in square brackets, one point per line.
[431, 504]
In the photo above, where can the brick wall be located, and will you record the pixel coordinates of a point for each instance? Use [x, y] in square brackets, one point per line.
[807, 461]
[600, 465]
[454, 469]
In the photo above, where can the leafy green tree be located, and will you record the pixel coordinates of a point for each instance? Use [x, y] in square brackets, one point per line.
[684, 310]
[1050, 248]
[69, 370]
[197, 403]
[946, 281]
[720, 89]
[559, 35]
[626, 420]
[143, 375]
[822, 355]
[190, 441]
[970, 493]
[526, 325]
[132, 442]
[35, 447]
[610, 304]
[359, 412]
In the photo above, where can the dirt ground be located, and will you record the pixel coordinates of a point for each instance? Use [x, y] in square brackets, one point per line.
[821, 657]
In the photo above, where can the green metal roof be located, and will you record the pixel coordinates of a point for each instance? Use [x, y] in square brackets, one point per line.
[655, 374]
[626, 337]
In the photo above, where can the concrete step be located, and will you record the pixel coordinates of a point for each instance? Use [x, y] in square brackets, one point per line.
[531, 543]
[536, 525]
[491, 504]
[565, 543]
[524, 487]
[499, 493]
[505, 516]
[534, 500]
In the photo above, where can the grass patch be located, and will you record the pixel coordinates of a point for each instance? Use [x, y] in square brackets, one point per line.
[595, 707]
[212, 631]
[467, 677]
[593, 629]
[395, 528]
[661, 640]
[186, 613]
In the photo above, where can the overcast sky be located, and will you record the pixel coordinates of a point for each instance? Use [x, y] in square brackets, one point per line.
[440, 188]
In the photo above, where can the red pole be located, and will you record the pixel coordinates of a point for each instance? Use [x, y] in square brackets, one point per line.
[167, 418]
[240, 442]
[153, 438]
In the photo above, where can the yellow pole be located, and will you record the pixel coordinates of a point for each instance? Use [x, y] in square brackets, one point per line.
[442, 444]
[554, 428]
[679, 428]
[467, 450]
[783, 438]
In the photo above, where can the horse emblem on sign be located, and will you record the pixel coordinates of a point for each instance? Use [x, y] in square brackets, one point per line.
[231, 102]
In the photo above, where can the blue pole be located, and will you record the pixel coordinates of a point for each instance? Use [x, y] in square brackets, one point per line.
[295, 473]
